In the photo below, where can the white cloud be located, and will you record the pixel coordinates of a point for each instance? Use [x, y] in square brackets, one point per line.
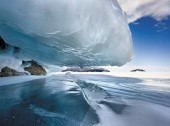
[136, 9]
[161, 26]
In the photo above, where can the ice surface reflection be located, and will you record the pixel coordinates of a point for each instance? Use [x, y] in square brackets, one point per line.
[85, 100]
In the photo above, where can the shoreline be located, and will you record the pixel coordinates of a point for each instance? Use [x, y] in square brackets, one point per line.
[153, 75]
[138, 75]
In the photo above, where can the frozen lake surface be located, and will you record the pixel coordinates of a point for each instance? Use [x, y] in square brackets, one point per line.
[84, 100]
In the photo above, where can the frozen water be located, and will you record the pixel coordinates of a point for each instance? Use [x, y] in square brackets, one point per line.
[85, 100]
[67, 32]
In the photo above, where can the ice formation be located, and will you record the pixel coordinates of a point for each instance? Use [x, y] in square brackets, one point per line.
[67, 32]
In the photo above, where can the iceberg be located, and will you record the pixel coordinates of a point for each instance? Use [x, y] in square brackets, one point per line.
[67, 32]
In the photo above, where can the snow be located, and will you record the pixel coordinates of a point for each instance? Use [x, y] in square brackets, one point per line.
[67, 32]
[10, 62]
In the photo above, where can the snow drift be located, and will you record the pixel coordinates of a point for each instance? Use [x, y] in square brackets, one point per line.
[67, 32]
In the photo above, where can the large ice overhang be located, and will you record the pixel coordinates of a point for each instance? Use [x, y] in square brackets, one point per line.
[67, 32]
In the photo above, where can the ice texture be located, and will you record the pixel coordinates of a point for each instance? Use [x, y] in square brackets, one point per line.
[67, 32]
[84, 100]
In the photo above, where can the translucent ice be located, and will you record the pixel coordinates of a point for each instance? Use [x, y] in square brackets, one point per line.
[67, 32]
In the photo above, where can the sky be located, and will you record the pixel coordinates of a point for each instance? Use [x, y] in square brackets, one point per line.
[149, 21]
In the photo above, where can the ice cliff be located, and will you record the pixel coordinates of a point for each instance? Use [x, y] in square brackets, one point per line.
[67, 32]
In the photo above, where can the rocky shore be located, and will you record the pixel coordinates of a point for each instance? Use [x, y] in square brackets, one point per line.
[33, 69]
[29, 67]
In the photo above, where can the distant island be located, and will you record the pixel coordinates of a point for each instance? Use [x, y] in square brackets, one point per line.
[138, 70]
[86, 69]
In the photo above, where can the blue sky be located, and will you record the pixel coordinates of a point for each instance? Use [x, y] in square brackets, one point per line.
[151, 42]
[149, 21]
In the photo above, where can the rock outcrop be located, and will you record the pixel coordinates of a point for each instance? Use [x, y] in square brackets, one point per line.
[7, 72]
[30, 66]
[138, 70]
[3, 45]
[35, 68]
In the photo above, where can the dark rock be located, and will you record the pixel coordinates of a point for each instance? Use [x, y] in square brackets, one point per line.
[77, 69]
[27, 63]
[35, 68]
[136, 70]
[3, 45]
[6, 72]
